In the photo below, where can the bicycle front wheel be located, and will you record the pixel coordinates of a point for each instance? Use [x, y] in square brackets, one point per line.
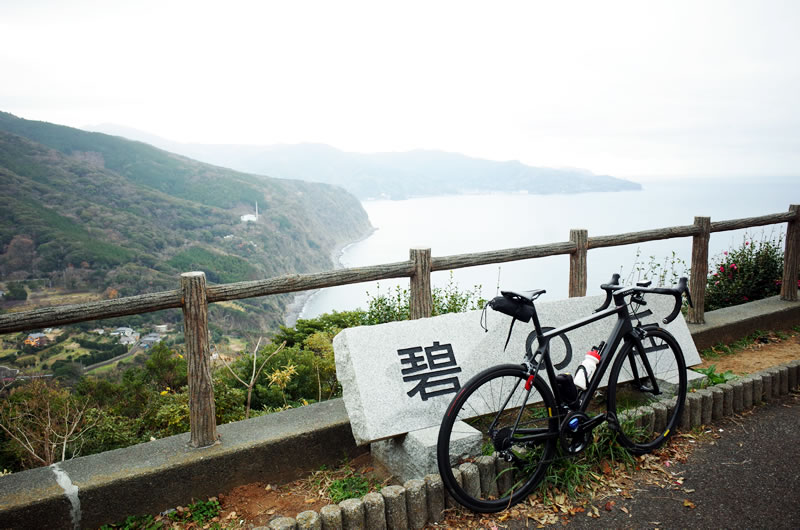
[631, 388]
[499, 434]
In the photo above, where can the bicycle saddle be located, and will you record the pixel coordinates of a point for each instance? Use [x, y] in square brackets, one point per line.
[528, 296]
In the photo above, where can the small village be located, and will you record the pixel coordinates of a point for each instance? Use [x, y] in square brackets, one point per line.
[43, 353]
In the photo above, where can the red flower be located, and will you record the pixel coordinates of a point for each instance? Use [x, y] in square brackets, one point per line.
[745, 298]
[722, 268]
[733, 266]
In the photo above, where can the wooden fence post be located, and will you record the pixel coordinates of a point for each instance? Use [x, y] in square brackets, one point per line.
[420, 299]
[577, 262]
[202, 415]
[791, 256]
[699, 267]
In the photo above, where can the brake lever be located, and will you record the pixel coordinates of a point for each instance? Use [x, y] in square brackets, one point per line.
[609, 288]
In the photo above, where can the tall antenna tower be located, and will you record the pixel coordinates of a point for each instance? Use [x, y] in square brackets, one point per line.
[256, 210]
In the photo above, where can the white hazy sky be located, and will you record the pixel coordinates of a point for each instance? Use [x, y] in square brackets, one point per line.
[633, 89]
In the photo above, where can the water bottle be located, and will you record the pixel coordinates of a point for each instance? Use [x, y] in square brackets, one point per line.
[586, 369]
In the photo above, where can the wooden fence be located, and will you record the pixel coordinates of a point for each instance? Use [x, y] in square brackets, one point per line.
[194, 295]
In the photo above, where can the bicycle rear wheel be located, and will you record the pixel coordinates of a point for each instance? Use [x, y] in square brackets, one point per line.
[500, 433]
[630, 390]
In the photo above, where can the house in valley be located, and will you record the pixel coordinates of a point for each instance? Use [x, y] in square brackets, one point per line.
[36, 339]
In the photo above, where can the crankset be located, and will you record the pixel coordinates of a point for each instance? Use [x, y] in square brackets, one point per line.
[575, 432]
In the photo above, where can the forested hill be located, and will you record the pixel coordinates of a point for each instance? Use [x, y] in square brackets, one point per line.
[389, 175]
[122, 217]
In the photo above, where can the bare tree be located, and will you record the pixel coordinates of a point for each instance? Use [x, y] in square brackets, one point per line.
[49, 424]
[253, 373]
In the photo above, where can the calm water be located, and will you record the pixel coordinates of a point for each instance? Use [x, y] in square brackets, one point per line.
[474, 223]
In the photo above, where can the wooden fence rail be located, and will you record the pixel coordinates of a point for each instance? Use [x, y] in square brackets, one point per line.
[194, 295]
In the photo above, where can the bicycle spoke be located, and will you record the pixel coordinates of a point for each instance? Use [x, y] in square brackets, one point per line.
[491, 405]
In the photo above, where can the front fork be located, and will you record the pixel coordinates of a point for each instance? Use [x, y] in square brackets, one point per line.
[639, 334]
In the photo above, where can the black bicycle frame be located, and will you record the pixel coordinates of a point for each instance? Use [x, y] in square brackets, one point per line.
[623, 330]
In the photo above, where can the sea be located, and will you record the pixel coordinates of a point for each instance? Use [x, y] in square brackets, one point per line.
[459, 224]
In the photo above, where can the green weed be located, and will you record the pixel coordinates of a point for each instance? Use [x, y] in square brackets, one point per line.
[567, 474]
[136, 522]
[715, 378]
[350, 487]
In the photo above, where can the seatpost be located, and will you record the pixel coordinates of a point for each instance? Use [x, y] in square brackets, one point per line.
[536, 324]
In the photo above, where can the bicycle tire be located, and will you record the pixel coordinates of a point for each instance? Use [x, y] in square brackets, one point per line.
[627, 398]
[497, 396]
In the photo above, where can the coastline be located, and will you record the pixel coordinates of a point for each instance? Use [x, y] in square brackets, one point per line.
[297, 306]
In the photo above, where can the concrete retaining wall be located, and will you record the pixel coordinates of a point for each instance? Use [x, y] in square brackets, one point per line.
[732, 323]
[148, 478]
[154, 476]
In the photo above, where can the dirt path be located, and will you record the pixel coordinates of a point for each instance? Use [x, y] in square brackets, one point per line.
[768, 350]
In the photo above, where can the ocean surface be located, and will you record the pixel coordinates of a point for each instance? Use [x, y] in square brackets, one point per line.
[475, 223]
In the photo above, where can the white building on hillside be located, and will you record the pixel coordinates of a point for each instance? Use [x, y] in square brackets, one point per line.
[250, 218]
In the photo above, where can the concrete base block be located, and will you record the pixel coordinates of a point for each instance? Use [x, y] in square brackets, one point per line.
[395, 499]
[450, 502]
[416, 503]
[331, 517]
[685, 421]
[738, 396]
[727, 399]
[717, 403]
[793, 373]
[646, 419]
[694, 379]
[414, 455]
[706, 406]
[309, 520]
[696, 409]
[758, 388]
[353, 517]
[766, 385]
[375, 511]
[784, 380]
[435, 494]
[471, 479]
[747, 393]
[659, 416]
[488, 474]
[505, 479]
[770, 385]
[282, 523]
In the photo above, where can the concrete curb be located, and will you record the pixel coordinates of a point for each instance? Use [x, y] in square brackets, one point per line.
[155, 476]
[732, 323]
[730, 399]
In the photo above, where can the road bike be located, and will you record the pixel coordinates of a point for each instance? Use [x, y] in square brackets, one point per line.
[508, 420]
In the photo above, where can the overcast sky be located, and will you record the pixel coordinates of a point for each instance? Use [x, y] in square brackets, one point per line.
[632, 89]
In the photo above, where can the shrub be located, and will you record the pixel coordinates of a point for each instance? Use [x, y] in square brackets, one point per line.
[16, 291]
[751, 272]
[382, 308]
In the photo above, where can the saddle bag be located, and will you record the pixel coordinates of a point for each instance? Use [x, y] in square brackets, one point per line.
[513, 307]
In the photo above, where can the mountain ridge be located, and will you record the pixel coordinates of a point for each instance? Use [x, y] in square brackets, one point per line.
[389, 175]
[92, 211]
